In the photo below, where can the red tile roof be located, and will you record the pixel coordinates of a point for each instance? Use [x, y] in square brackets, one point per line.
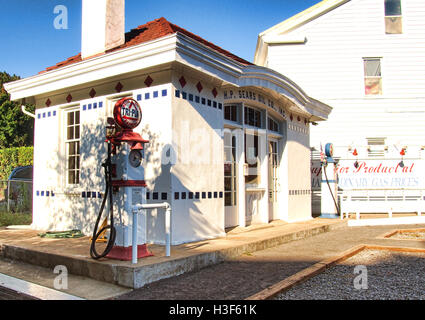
[152, 30]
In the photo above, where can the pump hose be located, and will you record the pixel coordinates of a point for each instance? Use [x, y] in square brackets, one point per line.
[107, 165]
[330, 190]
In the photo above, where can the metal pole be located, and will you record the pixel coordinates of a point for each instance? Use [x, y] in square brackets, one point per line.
[134, 248]
[167, 207]
[8, 197]
[167, 231]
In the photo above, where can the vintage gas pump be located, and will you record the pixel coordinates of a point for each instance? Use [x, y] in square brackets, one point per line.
[329, 185]
[125, 184]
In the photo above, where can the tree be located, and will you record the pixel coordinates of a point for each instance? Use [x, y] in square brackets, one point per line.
[16, 128]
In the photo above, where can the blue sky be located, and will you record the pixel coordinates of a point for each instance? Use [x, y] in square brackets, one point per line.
[30, 43]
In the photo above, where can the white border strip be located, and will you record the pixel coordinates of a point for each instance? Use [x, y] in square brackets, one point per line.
[34, 290]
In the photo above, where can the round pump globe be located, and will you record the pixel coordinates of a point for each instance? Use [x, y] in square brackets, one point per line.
[127, 113]
[329, 150]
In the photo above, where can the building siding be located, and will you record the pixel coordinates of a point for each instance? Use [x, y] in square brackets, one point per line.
[329, 66]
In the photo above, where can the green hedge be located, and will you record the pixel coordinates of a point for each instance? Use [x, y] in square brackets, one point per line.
[14, 157]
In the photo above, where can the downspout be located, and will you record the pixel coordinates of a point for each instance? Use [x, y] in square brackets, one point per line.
[26, 112]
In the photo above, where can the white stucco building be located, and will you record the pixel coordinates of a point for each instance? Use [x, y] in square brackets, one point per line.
[365, 58]
[229, 140]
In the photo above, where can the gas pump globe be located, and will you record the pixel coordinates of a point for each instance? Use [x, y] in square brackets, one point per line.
[124, 175]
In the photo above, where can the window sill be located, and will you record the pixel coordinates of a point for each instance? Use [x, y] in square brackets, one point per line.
[254, 189]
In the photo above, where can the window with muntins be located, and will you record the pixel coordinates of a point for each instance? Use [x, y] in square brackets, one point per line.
[393, 18]
[252, 117]
[273, 125]
[72, 144]
[372, 76]
[230, 113]
[229, 169]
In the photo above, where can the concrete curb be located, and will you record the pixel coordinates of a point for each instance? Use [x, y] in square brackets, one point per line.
[34, 290]
[319, 267]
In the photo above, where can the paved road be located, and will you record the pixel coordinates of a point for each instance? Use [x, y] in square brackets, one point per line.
[253, 272]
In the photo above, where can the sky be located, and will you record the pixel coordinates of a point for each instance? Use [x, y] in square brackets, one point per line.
[30, 42]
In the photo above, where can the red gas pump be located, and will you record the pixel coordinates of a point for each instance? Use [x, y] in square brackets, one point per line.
[127, 116]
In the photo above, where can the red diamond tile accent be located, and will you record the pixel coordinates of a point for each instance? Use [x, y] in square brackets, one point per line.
[148, 81]
[92, 93]
[214, 92]
[298, 118]
[182, 81]
[48, 102]
[199, 87]
[69, 98]
[119, 87]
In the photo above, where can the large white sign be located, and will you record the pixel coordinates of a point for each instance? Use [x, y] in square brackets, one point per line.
[374, 174]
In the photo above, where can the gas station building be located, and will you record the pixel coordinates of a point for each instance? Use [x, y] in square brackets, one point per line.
[229, 141]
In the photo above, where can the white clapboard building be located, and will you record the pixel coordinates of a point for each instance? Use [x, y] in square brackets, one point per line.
[365, 58]
[229, 141]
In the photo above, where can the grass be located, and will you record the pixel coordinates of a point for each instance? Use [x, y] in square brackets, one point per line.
[12, 219]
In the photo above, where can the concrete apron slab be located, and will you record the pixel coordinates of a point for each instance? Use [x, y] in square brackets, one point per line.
[26, 246]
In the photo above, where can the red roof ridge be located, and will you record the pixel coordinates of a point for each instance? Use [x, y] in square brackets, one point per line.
[209, 44]
[152, 30]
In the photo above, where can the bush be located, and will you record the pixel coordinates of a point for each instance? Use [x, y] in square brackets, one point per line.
[11, 219]
[14, 157]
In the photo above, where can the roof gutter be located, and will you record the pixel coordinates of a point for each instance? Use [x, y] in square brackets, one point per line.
[27, 112]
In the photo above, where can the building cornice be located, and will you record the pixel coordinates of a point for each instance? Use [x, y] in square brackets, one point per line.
[175, 48]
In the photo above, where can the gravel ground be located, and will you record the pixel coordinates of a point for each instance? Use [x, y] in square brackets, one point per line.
[416, 235]
[390, 276]
[230, 280]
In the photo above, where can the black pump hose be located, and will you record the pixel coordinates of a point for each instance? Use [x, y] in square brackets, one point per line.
[107, 165]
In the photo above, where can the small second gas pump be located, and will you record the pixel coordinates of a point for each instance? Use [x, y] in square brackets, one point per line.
[125, 184]
[329, 185]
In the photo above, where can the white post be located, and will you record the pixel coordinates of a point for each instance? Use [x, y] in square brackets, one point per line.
[168, 232]
[136, 210]
[134, 236]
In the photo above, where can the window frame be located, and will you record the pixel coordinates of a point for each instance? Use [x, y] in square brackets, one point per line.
[273, 125]
[76, 141]
[230, 149]
[392, 19]
[368, 77]
[257, 115]
[232, 109]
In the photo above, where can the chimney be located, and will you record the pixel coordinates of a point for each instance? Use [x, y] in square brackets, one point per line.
[103, 26]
